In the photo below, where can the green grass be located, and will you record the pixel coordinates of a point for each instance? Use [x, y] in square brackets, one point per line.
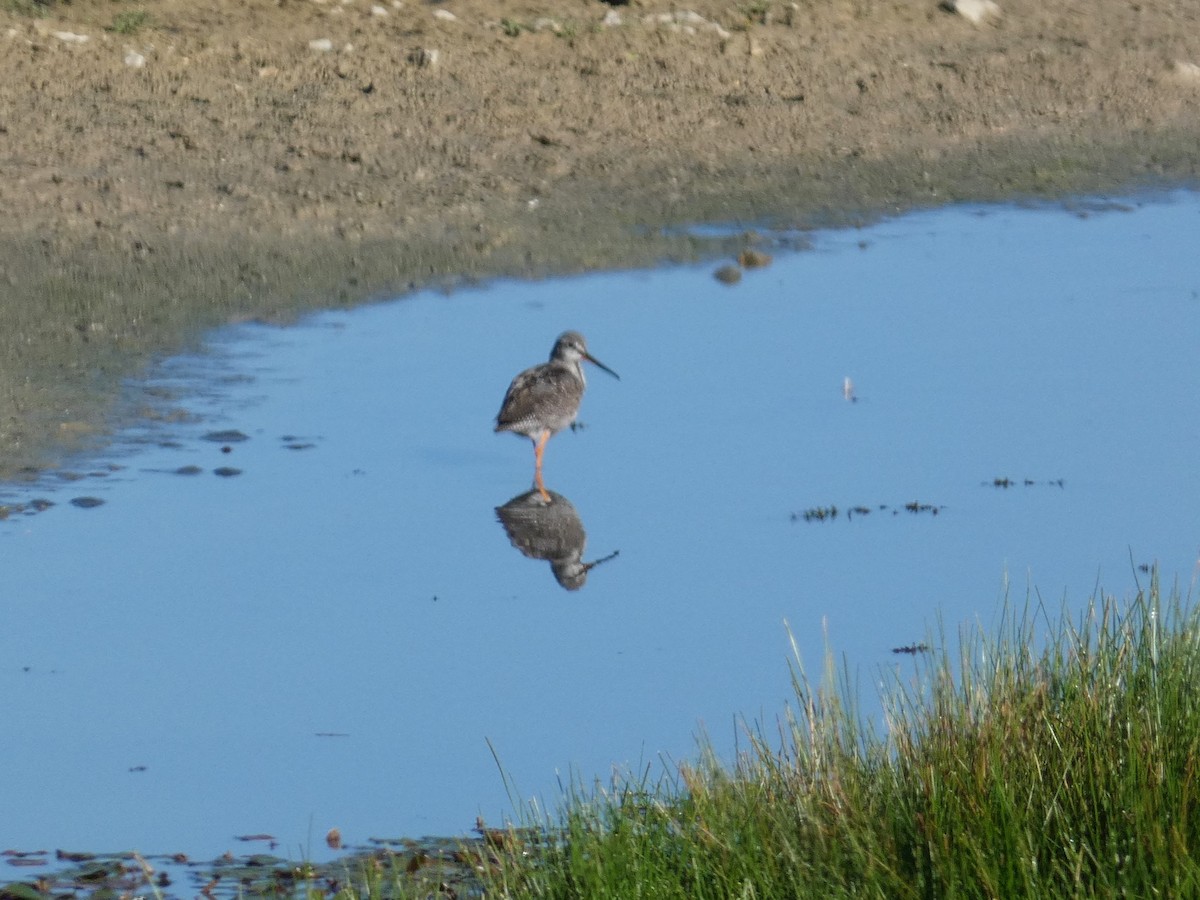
[512, 27]
[1052, 759]
[34, 8]
[129, 21]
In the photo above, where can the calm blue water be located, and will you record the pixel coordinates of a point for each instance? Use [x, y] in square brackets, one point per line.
[216, 631]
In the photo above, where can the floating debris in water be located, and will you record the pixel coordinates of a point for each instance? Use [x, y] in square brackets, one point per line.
[229, 436]
[912, 649]
[1006, 482]
[71, 856]
[87, 502]
[26, 857]
[443, 867]
[333, 839]
[829, 513]
[227, 471]
[37, 505]
[290, 442]
[188, 470]
[816, 514]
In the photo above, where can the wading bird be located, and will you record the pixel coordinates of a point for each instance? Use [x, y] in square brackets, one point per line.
[545, 399]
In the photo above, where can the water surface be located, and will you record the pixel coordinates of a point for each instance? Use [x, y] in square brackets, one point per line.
[341, 633]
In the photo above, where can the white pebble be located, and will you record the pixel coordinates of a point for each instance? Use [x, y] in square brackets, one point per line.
[974, 11]
[134, 60]
[1187, 71]
[684, 20]
[71, 38]
[322, 45]
[445, 15]
[378, 10]
[424, 57]
[612, 19]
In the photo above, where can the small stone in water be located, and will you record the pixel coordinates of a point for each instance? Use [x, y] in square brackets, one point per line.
[728, 274]
[227, 471]
[87, 502]
[754, 259]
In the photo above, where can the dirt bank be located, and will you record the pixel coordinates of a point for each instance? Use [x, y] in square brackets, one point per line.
[172, 164]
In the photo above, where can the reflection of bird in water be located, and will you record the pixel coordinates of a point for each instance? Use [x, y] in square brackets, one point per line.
[545, 399]
[549, 528]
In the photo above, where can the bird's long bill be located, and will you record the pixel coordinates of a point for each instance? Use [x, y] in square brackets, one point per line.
[595, 362]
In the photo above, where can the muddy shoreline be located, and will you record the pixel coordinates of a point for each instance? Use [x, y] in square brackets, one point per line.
[200, 164]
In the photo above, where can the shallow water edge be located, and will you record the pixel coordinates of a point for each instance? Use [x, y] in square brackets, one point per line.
[87, 316]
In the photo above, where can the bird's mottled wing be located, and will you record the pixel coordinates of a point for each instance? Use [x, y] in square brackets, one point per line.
[536, 392]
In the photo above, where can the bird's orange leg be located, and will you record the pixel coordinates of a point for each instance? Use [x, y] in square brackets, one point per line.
[538, 449]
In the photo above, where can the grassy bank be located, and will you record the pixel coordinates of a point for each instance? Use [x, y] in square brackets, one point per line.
[1050, 759]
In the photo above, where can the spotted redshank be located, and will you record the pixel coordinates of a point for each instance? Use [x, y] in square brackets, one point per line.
[545, 399]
